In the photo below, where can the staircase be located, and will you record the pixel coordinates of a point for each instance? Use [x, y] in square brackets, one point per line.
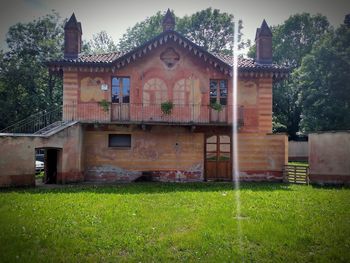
[53, 127]
[42, 123]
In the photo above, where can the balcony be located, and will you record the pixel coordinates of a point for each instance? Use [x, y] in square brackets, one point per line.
[150, 113]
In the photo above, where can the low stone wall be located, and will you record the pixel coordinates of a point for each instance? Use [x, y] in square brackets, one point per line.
[329, 157]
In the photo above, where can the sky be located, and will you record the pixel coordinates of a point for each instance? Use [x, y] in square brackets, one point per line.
[115, 16]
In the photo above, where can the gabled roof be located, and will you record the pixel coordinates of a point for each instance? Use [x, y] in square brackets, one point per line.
[118, 60]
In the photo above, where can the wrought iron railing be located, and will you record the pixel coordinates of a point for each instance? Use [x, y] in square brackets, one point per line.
[42, 122]
[138, 112]
[36, 122]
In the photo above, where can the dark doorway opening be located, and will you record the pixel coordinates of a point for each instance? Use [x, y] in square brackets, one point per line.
[47, 165]
[51, 166]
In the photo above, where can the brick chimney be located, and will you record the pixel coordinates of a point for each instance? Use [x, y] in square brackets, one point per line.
[168, 21]
[347, 20]
[263, 41]
[72, 38]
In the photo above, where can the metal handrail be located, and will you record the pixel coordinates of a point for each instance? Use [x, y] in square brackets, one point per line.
[150, 112]
[129, 112]
[35, 122]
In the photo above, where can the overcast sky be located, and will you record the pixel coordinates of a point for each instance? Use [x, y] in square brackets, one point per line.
[115, 16]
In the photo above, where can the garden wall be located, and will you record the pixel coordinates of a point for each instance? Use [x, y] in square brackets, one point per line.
[17, 151]
[262, 156]
[329, 157]
[298, 150]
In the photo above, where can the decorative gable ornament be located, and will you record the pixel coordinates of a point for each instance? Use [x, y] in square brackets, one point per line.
[170, 57]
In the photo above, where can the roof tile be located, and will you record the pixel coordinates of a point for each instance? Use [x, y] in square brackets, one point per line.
[108, 59]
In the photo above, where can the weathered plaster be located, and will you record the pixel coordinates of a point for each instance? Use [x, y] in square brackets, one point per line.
[329, 157]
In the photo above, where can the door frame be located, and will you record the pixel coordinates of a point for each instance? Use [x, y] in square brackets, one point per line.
[218, 134]
[122, 109]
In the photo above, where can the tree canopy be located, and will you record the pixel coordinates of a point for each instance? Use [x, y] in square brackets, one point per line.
[292, 41]
[26, 86]
[208, 28]
[324, 82]
[100, 43]
[141, 32]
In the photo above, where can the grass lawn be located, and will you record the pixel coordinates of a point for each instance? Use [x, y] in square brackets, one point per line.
[154, 222]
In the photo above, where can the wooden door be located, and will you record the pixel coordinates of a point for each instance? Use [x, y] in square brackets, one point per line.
[120, 111]
[218, 158]
[120, 98]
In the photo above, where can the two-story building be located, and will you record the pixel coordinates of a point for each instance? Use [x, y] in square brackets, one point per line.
[164, 111]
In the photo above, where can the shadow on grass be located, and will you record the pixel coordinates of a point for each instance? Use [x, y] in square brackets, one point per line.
[149, 188]
[330, 186]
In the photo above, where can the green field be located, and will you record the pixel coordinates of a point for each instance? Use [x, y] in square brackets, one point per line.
[155, 222]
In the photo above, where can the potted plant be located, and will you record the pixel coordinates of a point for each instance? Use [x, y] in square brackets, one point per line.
[216, 106]
[104, 105]
[167, 107]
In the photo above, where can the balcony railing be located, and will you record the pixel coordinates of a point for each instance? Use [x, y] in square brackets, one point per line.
[150, 113]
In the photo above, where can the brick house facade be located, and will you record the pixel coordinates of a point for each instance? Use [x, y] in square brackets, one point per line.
[163, 111]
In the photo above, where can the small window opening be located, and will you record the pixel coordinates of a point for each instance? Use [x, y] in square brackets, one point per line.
[119, 140]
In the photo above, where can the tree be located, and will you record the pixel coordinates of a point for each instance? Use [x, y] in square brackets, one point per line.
[141, 32]
[292, 41]
[325, 83]
[26, 86]
[100, 43]
[208, 28]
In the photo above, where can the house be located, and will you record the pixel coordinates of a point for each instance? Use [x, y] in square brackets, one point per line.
[162, 111]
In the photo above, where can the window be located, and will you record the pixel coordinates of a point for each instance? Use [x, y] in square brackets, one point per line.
[218, 148]
[218, 91]
[120, 89]
[119, 140]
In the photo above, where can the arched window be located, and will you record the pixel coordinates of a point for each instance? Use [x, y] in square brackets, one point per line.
[181, 92]
[154, 92]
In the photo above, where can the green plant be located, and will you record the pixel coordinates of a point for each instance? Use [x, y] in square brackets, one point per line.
[216, 106]
[104, 105]
[167, 107]
[40, 175]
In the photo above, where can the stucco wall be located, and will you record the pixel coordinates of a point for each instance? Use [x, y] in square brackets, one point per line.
[17, 161]
[176, 154]
[298, 150]
[262, 156]
[170, 153]
[329, 157]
